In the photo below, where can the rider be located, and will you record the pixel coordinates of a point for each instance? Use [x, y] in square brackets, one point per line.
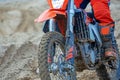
[102, 15]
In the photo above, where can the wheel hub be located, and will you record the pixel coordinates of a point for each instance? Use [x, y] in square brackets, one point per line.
[53, 68]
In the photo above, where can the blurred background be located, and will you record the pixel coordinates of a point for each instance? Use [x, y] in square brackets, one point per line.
[19, 15]
[20, 37]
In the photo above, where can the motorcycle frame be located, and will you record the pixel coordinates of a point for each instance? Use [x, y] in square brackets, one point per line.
[48, 17]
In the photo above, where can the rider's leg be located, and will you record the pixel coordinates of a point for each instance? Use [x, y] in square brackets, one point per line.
[102, 15]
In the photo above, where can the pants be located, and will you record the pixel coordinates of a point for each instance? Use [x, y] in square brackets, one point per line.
[101, 12]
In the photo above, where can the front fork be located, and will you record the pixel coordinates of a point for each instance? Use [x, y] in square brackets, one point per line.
[52, 25]
[69, 45]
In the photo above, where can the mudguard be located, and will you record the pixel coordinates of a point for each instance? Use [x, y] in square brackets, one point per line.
[50, 13]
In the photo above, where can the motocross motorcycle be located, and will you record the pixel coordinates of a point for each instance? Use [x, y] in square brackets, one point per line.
[71, 44]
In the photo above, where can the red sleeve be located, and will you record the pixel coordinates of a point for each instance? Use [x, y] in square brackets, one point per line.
[78, 2]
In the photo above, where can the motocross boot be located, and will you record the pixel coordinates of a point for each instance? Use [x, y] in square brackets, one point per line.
[109, 42]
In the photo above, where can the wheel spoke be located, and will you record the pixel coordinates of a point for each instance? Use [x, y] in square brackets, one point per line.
[56, 48]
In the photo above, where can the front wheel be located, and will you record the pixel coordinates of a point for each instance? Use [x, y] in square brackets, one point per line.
[51, 58]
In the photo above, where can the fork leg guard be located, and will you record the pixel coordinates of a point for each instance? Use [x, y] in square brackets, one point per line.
[70, 48]
[69, 33]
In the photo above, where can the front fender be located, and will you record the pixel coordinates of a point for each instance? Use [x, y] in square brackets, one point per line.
[50, 13]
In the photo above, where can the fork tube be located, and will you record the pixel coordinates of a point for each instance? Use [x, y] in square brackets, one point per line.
[69, 33]
[51, 25]
[70, 14]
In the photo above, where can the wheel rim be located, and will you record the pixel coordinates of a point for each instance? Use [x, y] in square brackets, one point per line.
[56, 52]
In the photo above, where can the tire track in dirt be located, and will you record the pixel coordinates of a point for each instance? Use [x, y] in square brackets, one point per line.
[27, 22]
[24, 22]
[19, 62]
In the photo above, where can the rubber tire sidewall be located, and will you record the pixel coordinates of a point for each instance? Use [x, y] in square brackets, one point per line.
[43, 52]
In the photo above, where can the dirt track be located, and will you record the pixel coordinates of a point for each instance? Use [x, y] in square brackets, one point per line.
[18, 59]
[19, 16]
[20, 38]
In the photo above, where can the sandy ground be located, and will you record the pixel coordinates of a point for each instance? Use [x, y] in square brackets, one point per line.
[18, 16]
[20, 37]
